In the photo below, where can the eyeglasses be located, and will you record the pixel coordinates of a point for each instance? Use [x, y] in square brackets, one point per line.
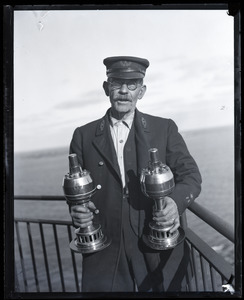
[131, 85]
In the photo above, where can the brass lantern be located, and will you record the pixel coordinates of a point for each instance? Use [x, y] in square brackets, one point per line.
[79, 187]
[157, 181]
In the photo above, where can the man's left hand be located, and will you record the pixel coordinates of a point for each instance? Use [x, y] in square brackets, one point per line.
[169, 216]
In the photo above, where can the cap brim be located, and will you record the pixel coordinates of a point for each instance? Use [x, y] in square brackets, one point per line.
[126, 75]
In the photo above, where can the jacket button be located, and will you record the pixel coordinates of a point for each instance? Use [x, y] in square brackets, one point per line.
[101, 163]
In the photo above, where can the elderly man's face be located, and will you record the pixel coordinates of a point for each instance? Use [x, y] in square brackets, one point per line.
[124, 93]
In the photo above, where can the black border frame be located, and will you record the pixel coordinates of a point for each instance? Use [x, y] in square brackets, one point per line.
[234, 10]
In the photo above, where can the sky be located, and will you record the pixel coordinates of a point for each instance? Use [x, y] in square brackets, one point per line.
[59, 71]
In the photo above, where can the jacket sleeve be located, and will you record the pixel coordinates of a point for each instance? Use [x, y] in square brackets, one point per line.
[186, 173]
[76, 145]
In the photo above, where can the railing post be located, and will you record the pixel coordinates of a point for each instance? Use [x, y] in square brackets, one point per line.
[45, 257]
[33, 256]
[21, 257]
[73, 260]
[59, 257]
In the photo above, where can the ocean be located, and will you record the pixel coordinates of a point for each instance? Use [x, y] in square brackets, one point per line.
[41, 173]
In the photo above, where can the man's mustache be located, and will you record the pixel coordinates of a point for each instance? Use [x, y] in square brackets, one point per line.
[123, 98]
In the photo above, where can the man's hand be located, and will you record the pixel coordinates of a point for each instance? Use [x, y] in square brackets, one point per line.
[82, 216]
[169, 216]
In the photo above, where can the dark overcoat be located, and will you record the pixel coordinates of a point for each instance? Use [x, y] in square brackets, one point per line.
[94, 147]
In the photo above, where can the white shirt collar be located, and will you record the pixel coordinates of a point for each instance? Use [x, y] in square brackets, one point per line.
[127, 121]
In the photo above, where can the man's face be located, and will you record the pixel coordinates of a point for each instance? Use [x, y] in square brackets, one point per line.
[124, 93]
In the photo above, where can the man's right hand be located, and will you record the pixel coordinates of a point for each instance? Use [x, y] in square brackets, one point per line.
[82, 216]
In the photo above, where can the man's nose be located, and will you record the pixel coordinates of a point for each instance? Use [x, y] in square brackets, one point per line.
[124, 88]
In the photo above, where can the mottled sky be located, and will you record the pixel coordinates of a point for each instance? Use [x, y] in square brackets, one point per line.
[59, 71]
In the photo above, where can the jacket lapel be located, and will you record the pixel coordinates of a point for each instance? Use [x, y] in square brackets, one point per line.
[142, 134]
[104, 144]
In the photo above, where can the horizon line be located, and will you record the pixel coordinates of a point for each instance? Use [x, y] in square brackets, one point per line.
[62, 147]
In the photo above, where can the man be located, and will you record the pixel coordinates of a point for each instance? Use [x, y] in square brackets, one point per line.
[115, 150]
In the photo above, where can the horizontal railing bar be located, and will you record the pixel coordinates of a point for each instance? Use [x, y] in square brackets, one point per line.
[209, 254]
[213, 220]
[206, 215]
[43, 221]
[42, 198]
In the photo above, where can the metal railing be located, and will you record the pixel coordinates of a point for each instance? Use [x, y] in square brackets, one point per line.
[43, 266]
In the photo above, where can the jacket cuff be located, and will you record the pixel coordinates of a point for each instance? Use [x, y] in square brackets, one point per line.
[183, 197]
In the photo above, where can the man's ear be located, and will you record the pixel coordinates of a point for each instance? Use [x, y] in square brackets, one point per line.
[142, 92]
[105, 87]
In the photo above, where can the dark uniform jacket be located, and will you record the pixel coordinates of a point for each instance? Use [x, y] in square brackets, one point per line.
[95, 150]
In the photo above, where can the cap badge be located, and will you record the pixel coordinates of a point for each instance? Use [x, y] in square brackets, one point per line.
[102, 125]
[125, 63]
[144, 122]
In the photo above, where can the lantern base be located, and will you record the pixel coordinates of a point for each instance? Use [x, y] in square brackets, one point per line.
[90, 239]
[91, 248]
[157, 242]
